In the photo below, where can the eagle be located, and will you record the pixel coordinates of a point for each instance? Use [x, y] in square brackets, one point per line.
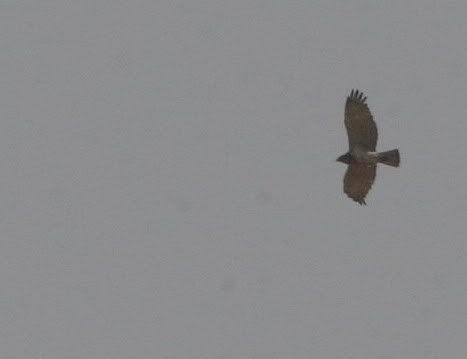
[362, 156]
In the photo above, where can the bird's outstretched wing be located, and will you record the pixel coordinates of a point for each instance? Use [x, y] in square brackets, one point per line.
[358, 181]
[361, 128]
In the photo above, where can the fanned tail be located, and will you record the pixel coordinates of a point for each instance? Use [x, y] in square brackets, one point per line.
[390, 158]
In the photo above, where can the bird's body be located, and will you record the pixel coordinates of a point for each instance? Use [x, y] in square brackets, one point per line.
[362, 156]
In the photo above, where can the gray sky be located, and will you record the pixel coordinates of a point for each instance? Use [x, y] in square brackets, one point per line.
[170, 187]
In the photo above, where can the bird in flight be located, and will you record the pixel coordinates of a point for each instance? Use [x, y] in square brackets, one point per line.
[362, 156]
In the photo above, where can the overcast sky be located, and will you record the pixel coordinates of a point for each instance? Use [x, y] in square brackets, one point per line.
[169, 184]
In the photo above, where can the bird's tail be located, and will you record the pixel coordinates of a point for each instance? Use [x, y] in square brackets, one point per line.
[390, 158]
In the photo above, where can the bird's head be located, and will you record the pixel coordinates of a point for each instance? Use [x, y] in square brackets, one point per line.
[346, 158]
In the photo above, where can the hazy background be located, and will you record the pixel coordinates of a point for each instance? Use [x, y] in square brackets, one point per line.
[169, 184]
